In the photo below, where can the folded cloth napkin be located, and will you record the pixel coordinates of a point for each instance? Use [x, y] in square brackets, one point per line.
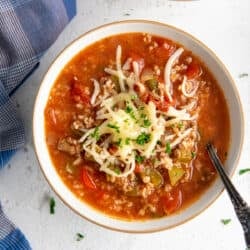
[27, 29]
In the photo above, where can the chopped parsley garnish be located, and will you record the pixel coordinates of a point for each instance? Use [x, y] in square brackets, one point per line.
[116, 128]
[225, 221]
[146, 123]
[243, 171]
[133, 97]
[119, 142]
[168, 148]
[139, 158]
[143, 138]
[79, 236]
[130, 111]
[243, 75]
[180, 125]
[117, 170]
[127, 141]
[95, 134]
[52, 205]
[193, 154]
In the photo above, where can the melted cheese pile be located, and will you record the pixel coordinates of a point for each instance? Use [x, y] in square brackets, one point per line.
[124, 127]
[129, 124]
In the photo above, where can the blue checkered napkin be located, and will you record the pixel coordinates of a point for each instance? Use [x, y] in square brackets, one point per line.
[27, 29]
[11, 238]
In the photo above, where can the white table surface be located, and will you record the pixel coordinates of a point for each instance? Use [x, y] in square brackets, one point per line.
[224, 25]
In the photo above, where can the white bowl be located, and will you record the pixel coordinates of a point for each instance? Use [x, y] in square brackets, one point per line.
[189, 42]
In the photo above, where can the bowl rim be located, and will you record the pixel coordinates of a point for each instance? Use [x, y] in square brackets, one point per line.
[237, 96]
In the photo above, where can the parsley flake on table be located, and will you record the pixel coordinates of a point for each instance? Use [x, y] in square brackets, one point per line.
[52, 204]
[79, 236]
[244, 170]
[243, 75]
[225, 221]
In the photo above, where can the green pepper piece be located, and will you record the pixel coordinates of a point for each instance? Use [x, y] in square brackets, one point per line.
[185, 156]
[175, 174]
[156, 178]
[152, 84]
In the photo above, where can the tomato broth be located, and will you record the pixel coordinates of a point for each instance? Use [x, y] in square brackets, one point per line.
[127, 121]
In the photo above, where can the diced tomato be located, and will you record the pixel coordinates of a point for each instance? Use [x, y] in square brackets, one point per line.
[193, 70]
[80, 92]
[136, 88]
[137, 58]
[145, 97]
[172, 201]
[163, 106]
[139, 168]
[160, 105]
[112, 149]
[87, 179]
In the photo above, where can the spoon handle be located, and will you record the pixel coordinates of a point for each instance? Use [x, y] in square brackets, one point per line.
[233, 193]
[240, 206]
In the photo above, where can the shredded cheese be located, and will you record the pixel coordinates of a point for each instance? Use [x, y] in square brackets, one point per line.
[120, 125]
[127, 64]
[184, 88]
[130, 125]
[180, 137]
[96, 91]
[167, 72]
[190, 106]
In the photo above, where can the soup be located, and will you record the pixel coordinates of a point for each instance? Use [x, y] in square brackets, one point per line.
[127, 121]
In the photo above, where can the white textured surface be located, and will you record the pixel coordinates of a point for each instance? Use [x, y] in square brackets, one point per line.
[225, 27]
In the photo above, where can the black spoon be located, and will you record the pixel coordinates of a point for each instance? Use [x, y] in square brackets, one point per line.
[241, 208]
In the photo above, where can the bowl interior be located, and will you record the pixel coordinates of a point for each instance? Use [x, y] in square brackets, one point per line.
[212, 62]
